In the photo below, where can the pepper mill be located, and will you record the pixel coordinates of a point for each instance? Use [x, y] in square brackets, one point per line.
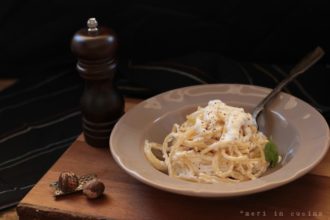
[101, 104]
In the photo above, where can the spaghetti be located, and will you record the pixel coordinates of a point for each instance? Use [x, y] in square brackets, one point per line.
[216, 143]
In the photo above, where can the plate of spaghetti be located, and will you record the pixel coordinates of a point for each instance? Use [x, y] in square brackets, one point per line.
[201, 141]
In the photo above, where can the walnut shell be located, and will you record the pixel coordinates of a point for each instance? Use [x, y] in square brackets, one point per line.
[93, 189]
[68, 181]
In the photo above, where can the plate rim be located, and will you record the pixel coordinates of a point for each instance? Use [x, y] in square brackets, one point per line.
[203, 193]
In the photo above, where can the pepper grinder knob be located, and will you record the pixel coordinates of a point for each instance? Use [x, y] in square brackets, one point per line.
[101, 104]
[92, 25]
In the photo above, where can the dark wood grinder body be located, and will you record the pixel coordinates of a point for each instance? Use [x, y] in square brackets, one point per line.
[101, 104]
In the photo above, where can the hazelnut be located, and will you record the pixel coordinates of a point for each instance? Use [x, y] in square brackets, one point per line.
[93, 189]
[68, 182]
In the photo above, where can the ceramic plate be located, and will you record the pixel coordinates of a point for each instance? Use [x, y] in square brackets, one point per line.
[301, 133]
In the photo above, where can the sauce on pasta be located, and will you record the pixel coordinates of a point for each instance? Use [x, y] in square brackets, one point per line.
[216, 143]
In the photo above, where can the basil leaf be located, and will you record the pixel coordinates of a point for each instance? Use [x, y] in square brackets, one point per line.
[271, 153]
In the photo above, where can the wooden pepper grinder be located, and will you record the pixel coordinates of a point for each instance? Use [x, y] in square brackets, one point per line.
[95, 48]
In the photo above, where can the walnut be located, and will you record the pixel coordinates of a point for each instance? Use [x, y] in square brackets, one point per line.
[93, 189]
[68, 181]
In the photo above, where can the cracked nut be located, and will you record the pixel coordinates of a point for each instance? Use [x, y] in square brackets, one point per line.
[68, 181]
[93, 189]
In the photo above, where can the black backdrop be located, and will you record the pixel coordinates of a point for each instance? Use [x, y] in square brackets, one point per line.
[35, 35]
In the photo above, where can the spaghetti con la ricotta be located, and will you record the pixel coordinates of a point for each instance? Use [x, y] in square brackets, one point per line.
[217, 143]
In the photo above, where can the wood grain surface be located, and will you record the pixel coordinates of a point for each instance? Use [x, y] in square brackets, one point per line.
[126, 198]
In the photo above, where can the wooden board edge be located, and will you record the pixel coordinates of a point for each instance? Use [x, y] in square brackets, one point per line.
[32, 212]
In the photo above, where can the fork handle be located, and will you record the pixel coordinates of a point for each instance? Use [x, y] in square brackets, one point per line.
[308, 61]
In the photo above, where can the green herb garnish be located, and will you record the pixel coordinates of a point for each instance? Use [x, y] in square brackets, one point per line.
[271, 153]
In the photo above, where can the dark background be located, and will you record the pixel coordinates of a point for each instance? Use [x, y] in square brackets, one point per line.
[35, 35]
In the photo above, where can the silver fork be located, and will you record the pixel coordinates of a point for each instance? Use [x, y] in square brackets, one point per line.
[308, 61]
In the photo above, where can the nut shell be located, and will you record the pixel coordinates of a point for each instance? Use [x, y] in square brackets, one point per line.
[93, 189]
[68, 181]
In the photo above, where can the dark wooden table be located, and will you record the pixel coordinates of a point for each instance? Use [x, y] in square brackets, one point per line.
[127, 198]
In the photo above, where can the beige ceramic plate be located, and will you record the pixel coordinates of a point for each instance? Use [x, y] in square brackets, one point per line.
[301, 133]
